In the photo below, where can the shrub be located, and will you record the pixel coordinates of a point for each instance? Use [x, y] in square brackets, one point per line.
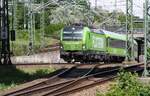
[127, 85]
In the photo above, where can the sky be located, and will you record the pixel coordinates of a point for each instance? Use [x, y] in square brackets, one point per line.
[121, 5]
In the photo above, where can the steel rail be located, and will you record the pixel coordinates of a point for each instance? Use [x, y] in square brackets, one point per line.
[57, 85]
[97, 82]
[62, 90]
[72, 84]
[47, 81]
[60, 87]
[41, 83]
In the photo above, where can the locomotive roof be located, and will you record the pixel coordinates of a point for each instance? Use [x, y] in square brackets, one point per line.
[73, 28]
[114, 35]
[97, 31]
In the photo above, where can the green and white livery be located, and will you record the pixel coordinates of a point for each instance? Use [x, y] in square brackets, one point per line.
[83, 44]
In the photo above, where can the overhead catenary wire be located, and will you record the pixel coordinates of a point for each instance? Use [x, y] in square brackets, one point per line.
[45, 5]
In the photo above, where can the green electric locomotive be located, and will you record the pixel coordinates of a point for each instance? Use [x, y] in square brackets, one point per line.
[82, 44]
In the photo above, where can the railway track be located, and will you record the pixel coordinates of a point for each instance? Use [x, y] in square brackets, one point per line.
[58, 86]
[38, 64]
[49, 48]
[43, 64]
[40, 83]
[59, 78]
[26, 65]
[90, 81]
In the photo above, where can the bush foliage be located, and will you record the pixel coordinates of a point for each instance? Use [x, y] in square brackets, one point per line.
[127, 85]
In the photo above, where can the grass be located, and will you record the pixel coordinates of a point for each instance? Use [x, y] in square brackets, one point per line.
[20, 46]
[11, 76]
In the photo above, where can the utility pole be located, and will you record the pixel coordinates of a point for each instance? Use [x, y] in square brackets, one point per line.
[25, 21]
[95, 4]
[42, 25]
[115, 14]
[146, 36]
[4, 28]
[13, 14]
[13, 27]
[129, 31]
[14, 7]
[30, 27]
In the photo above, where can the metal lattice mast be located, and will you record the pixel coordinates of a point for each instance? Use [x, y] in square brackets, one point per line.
[42, 25]
[129, 30]
[33, 26]
[14, 8]
[146, 36]
[30, 26]
[95, 4]
[115, 13]
[14, 22]
[25, 22]
[4, 28]
[33, 20]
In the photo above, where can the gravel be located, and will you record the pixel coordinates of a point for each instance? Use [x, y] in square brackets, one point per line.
[92, 91]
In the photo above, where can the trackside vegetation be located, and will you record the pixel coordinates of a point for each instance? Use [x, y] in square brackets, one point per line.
[12, 76]
[127, 85]
[21, 45]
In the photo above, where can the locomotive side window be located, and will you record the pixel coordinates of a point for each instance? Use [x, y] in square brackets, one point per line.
[72, 33]
[117, 43]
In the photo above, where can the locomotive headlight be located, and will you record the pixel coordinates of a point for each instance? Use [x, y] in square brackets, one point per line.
[83, 47]
[61, 47]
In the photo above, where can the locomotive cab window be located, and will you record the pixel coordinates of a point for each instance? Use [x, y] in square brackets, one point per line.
[73, 33]
[117, 43]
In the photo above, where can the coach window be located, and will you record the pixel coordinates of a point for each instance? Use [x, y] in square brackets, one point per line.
[117, 43]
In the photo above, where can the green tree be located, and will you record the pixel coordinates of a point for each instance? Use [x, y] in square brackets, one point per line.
[71, 11]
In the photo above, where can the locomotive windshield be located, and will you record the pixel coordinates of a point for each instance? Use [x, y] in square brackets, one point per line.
[72, 33]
